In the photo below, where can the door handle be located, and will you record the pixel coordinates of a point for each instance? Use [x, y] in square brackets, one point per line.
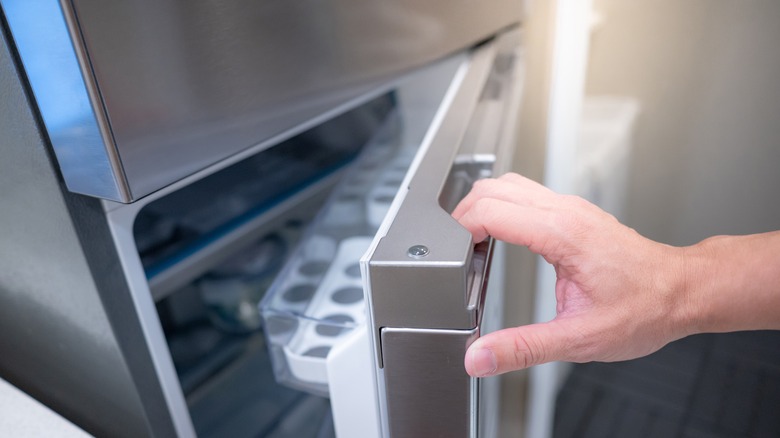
[426, 277]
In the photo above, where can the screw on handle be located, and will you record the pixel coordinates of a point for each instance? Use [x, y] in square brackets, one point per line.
[418, 251]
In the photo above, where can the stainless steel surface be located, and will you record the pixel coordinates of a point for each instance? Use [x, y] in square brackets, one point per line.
[427, 390]
[430, 292]
[62, 341]
[66, 98]
[425, 398]
[425, 311]
[25, 416]
[490, 388]
[176, 86]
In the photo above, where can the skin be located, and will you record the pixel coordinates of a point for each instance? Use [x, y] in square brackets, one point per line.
[620, 295]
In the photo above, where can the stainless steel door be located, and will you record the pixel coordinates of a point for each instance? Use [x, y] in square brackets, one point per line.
[426, 279]
[137, 95]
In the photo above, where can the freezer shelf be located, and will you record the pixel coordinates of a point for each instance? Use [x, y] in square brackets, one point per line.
[195, 259]
[182, 235]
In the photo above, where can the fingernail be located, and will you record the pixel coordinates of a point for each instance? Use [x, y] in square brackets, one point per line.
[483, 362]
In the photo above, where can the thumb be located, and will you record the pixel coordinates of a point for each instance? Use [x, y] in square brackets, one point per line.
[516, 348]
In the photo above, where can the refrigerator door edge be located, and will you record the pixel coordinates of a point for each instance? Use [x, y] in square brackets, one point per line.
[425, 279]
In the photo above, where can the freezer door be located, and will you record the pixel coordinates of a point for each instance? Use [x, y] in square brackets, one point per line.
[425, 278]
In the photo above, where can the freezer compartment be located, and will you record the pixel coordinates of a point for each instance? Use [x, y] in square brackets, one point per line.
[214, 335]
[212, 249]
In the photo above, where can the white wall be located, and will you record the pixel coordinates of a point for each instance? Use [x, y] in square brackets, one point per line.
[707, 145]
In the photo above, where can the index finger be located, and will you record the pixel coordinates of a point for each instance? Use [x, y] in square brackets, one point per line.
[509, 187]
[517, 224]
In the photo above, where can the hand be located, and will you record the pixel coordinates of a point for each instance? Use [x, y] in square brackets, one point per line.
[620, 295]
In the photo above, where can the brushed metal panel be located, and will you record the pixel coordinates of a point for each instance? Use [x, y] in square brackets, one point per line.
[68, 334]
[428, 391]
[426, 305]
[186, 83]
[175, 86]
[430, 291]
[66, 99]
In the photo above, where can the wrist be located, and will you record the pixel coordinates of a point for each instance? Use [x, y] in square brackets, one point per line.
[694, 269]
[706, 280]
[734, 280]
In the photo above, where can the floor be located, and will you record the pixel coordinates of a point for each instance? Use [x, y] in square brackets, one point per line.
[714, 385]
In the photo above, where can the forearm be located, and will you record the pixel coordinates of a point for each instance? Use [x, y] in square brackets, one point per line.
[732, 283]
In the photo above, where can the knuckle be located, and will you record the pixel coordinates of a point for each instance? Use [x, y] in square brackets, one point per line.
[485, 208]
[526, 352]
[568, 221]
[510, 176]
[574, 215]
[482, 186]
[578, 200]
[574, 202]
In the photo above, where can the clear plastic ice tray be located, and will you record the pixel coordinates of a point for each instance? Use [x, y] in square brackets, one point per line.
[318, 300]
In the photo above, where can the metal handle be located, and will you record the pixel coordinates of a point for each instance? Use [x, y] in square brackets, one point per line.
[426, 277]
[420, 290]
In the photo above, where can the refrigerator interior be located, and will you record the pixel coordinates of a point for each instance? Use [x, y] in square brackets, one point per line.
[211, 249]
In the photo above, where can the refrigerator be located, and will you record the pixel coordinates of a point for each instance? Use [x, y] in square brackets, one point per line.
[233, 218]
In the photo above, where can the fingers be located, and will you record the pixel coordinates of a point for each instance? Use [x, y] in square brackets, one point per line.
[510, 187]
[510, 208]
[515, 224]
[517, 348]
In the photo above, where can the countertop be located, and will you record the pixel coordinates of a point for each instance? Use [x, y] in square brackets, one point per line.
[23, 416]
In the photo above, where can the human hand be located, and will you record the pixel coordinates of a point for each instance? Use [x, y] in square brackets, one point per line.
[620, 295]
